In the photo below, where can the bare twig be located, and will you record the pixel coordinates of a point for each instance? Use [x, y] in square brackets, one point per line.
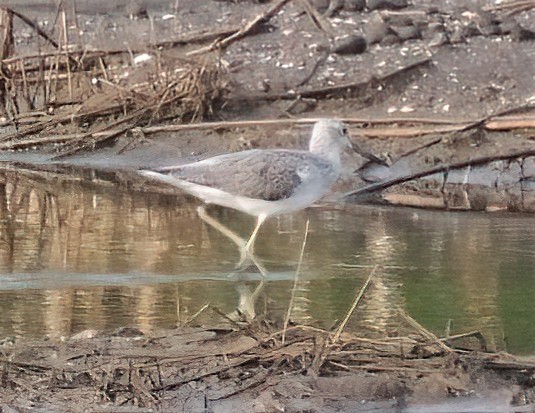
[476, 334]
[355, 304]
[294, 288]
[376, 367]
[511, 5]
[244, 31]
[318, 20]
[510, 122]
[66, 46]
[379, 186]
[345, 89]
[194, 316]
[423, 331]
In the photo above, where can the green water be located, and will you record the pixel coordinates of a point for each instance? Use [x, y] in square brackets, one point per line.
[76, 256]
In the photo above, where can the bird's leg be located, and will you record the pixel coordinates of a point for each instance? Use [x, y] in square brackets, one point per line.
[247, 302]
[239, 241]
[249, 247]
[244, 247]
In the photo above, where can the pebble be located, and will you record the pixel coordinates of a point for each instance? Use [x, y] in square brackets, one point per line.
[439, 39]
[390, 39]
[320, 5]
[407, 32]
[522, 34]
[352, 44]
[376, 30]
[354, 5]
[509, 26]
[136, 9]
[417, 18]
[386, 4]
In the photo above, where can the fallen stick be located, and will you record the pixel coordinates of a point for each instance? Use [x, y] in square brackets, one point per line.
[476, 334]
[318, 20]
[437, 169]
[510, 123]
[510, 5]
[428, 126]
[376, 367]
[345, 88]
[198, 37]
[423, 331]
[244, 31]
[194, 38]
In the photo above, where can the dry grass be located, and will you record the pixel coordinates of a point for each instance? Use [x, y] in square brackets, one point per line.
[65, 89]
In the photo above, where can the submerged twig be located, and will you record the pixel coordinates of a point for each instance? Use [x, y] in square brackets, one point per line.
[477, 334]
[194, 316]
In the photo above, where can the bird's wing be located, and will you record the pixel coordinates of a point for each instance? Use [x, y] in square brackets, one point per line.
[270, 175]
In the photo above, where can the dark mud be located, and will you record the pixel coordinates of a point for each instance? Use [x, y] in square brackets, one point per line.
[230, 369]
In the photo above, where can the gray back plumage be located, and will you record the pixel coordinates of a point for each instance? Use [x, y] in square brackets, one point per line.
[270, 175]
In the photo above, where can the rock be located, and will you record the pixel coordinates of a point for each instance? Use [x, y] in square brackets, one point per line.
[320, 5]
[488, 24]
[522, 34]
[352, 44]
[407, 32]
[390, 39]
[136, 9]
[334, 7]
[509, 26]
[417, 18]
[517, 32]
[85, 335]
[471, 29]
[457, 36]
[127, 332]
[492, 29]
[376, 30]
[439, 39]
[386, 4]
[354, 5]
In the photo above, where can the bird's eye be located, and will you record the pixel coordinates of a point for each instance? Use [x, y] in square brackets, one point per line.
[344, 130]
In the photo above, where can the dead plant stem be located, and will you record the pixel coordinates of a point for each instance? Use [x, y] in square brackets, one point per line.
[294, 287]
[356, 302]
[423, 331]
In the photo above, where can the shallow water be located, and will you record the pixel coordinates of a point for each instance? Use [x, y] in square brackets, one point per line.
[76, 256]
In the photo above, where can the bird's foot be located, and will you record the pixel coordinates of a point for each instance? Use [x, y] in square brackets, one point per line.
[247, 257]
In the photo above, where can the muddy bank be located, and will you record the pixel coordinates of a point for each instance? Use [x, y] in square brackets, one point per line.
[437, 92]
[260, 368]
